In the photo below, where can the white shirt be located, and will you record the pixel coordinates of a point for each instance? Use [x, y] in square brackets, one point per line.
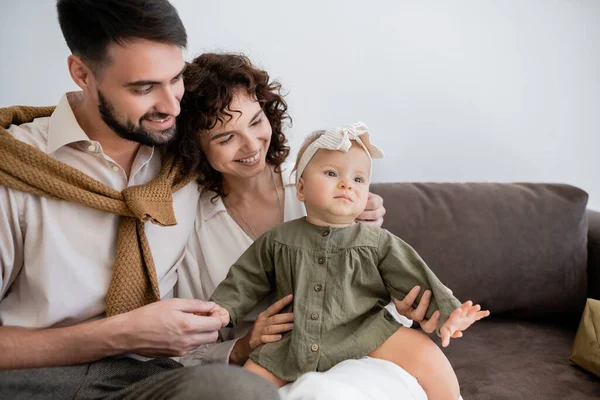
[56, 257]
[218, 241]
[216, 244]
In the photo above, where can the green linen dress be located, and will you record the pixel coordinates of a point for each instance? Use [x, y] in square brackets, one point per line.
[341, 278]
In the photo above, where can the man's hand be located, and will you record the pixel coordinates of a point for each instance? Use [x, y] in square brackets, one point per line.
[460, 319]
[170, 327]
[374, 211]
[162, 329]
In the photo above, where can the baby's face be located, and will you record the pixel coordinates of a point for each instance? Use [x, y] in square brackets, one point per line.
[335, 185]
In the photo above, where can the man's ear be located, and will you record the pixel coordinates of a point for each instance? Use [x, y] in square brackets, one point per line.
[300, 190]
[81, 74]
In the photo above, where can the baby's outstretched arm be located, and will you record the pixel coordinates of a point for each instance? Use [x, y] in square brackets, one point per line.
[460, 319]
[248, 280]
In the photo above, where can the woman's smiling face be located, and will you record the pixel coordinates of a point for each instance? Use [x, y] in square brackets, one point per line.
[239, 147]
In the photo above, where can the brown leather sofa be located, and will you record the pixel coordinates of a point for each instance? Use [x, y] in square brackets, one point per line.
[530, 253]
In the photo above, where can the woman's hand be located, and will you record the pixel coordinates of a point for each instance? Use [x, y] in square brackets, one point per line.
[268, 328]
[269, 325]
[405, 307]
[374, 211]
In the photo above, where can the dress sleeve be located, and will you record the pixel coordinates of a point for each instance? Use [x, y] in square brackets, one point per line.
[248, 281]
[220, 351]
[402, 268]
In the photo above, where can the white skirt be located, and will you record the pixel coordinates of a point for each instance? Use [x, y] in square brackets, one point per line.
[364, 379]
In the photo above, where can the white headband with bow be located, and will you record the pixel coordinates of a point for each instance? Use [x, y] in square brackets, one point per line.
[340, 139]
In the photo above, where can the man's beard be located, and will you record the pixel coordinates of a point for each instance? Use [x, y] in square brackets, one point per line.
[134, 133]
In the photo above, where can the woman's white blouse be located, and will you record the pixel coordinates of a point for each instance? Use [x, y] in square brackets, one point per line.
[216, 243]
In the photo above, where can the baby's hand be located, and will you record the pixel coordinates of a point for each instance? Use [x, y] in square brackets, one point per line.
[219, 312]
[460, 319]
[222, 313]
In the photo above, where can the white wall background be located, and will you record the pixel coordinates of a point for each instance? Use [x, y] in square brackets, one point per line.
[504, 90]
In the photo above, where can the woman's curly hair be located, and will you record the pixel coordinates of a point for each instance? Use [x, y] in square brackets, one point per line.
[211, 82]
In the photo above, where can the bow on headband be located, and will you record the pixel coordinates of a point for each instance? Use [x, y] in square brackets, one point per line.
[340, 139]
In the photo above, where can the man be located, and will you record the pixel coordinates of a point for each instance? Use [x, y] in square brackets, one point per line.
[56, 265]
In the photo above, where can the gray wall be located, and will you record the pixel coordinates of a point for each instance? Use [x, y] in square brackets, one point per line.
[452, 90]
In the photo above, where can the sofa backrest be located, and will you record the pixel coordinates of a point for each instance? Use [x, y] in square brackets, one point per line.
[518, 249]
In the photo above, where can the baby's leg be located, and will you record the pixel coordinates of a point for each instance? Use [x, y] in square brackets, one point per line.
[418, 355]
[257, 369]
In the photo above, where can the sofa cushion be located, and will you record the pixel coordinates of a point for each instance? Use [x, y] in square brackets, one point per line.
[512, 359]
[518, 249]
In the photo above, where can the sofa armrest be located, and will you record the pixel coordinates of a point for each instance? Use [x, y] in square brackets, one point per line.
[593, 254]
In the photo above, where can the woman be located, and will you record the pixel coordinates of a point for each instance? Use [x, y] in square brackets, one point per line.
[231, 134]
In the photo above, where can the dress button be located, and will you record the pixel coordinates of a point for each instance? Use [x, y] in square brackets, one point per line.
[314, 347]
[321, 260]
[115, 168]
[325, 233]
[92, 148]
[318, 287]
[314, 316]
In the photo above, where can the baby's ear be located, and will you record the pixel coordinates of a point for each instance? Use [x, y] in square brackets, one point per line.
[300, 190]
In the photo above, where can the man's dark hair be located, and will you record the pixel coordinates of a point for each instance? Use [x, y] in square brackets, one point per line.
[89, 26]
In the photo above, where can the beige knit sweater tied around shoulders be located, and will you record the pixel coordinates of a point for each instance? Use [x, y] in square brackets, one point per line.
[27, 169]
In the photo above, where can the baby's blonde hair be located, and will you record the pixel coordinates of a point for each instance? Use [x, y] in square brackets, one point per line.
[307, 142]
